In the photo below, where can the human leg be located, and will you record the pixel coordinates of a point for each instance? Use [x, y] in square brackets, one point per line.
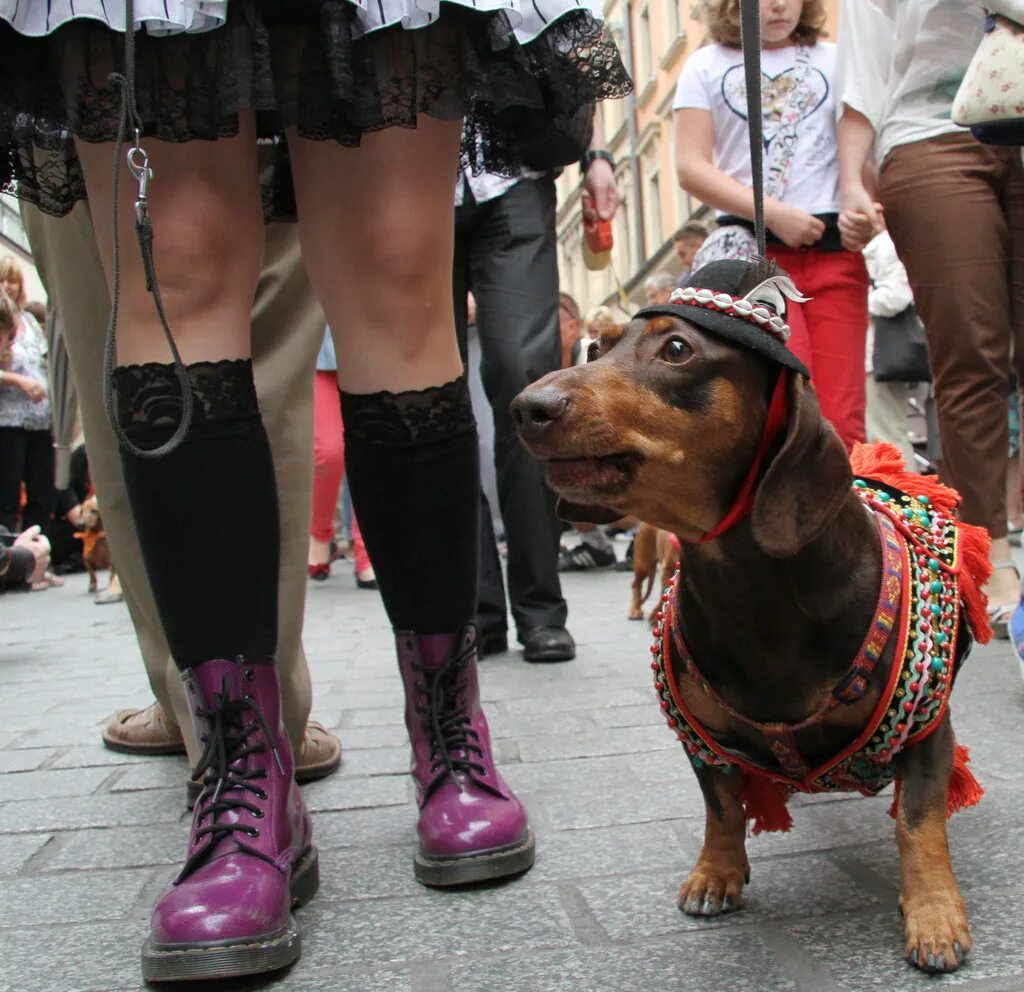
[837, 323]
[40, 492]
[67, 258]
[377, 237]
[196, 510]
[944, 213]
[13, 442]
[514, 277]
[328, 470]
[491, 601]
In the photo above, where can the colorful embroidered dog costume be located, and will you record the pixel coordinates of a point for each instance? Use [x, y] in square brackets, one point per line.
[933, 568]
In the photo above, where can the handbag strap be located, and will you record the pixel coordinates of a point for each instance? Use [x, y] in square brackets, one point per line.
[780, 155]
[750, 39]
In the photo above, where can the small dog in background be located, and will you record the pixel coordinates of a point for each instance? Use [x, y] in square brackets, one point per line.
[655, 553]
[96, 550]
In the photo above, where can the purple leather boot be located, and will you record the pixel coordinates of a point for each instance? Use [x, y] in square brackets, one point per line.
[250, 860]
[471, 828]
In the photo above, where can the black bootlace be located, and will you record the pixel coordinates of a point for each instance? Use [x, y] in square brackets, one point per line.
[227, 780]
[454, 744]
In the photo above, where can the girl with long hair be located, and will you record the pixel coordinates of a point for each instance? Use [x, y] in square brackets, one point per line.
[801, 184]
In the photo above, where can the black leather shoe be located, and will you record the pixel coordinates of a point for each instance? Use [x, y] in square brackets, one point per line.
[547, 644]
[492, 642]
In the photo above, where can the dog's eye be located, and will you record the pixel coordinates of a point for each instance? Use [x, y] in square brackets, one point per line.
[676, 351]
[593, 352]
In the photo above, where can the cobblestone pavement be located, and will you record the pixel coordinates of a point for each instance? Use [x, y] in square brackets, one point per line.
[88, 837]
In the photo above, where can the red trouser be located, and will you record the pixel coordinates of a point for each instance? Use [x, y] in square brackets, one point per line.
[830, 332]
[329, 465]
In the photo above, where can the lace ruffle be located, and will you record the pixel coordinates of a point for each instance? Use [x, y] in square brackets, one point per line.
[415, 417]
[148, 395]
[306, 65]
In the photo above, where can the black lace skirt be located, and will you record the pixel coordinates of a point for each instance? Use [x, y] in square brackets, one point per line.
[304, 64]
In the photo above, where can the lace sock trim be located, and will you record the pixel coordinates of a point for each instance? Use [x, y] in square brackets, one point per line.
[417, 416]
[149, 396]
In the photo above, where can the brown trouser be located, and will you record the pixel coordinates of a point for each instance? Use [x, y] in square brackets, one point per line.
[287, 331]
[955, 209]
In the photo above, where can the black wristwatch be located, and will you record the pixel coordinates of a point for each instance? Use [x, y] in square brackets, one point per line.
[591, 154]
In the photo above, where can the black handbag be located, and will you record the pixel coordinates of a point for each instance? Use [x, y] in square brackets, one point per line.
[901, 350]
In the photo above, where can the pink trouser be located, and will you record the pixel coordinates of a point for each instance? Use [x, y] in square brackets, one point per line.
[329, 465]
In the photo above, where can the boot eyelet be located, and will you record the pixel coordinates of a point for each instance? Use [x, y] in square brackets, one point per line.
[253, 831]
[258, 813]
[250, 674]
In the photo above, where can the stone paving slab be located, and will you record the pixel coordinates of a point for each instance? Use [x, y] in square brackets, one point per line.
[89, 837]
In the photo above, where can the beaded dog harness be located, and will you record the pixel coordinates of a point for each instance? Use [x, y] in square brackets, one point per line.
[920, 603]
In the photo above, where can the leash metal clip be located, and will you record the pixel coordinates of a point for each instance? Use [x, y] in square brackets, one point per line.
[143, 174]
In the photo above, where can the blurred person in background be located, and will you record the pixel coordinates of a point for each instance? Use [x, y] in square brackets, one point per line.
[802, 185]
[26, 440]
[658, 288]
[328, 472]
[594, 550]
[24, 559]
[569, 329]
[687, 241]
[886, 416]
[597, 320]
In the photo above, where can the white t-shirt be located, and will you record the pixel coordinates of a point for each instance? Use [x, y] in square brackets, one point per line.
[712, 79]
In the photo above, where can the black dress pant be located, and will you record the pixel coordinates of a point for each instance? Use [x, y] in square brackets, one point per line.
[26, 456]
[505, 253]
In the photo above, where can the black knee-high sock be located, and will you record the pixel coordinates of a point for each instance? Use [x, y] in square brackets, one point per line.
[414, 472]
[206, 514]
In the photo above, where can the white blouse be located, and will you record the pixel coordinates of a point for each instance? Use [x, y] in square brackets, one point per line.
[900, 63]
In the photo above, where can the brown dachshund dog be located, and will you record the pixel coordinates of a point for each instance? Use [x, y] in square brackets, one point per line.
[655, 557]
[664, 423]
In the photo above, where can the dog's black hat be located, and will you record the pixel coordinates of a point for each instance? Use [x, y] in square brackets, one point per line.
[742, 301]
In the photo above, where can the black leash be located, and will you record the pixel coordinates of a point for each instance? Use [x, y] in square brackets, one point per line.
[750, 35]
[138, 165]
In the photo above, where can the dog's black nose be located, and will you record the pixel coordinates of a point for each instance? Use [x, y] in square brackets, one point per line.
[535, 410]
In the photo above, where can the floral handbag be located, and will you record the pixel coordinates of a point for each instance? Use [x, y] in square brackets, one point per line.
[990, 100]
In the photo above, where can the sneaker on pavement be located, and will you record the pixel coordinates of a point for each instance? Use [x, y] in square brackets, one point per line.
[584, 558]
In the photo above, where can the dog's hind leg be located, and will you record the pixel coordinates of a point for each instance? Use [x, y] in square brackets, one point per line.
[716, 883]
[937, 936]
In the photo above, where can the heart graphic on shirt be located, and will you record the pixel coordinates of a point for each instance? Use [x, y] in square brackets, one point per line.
[775, 92]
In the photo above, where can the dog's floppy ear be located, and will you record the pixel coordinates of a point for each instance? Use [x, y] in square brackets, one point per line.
[582, 513]
[806, 483]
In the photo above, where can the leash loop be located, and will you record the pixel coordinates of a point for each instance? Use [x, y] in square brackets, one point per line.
[138, 164]
[750, 40]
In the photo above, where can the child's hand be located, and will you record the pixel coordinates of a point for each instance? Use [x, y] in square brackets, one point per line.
[855, 229]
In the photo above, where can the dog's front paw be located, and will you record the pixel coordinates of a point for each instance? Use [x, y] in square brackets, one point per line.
[713, 889]
[937, 935]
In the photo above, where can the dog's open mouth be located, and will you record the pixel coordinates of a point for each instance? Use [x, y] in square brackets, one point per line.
[604, 474]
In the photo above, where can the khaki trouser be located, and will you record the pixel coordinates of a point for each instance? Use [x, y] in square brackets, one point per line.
[955, 210]
[287, 329]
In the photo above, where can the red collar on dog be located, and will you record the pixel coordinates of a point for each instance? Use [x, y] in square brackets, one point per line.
[744, 502]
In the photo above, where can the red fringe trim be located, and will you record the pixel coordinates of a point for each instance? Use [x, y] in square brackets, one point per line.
[764, 802]
[884, 462]
[964, 789]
